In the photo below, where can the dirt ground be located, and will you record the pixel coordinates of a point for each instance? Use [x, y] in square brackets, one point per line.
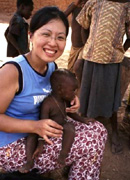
[114, 167]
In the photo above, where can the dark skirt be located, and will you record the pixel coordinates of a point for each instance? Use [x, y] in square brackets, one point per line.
[100, 89]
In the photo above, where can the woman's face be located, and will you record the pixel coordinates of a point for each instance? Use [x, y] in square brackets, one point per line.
[49, 41]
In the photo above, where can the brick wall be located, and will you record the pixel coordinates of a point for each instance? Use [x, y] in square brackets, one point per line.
[9, 6]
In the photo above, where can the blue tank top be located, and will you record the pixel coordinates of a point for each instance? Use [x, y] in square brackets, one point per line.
[26, 104]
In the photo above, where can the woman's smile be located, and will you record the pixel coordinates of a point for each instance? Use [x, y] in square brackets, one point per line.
[50, 52]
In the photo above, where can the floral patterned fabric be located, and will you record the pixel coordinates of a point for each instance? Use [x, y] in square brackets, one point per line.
[85, 156]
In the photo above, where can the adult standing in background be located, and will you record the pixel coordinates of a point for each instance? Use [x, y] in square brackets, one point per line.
[103, 53]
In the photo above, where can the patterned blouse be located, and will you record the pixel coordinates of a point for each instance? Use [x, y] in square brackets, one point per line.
[108, 22]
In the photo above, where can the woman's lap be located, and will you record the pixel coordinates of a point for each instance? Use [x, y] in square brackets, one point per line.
[85, 155]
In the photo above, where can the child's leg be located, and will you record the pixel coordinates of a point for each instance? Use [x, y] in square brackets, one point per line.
[68, 138]
[116, 145]
[78, 68]
[31, 144]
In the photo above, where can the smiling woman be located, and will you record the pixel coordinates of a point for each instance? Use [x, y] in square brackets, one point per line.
[49, 40]
[24, 81]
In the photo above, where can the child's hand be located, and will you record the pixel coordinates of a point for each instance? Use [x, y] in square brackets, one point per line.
[77, 2]
[88, 120]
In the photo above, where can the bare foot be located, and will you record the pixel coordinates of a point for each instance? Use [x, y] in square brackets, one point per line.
[26, 167]
[116, 146]
[58, 173]
[2, 170]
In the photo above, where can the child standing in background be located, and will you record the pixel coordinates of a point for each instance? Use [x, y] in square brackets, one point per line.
[78, 36]
[17, 31]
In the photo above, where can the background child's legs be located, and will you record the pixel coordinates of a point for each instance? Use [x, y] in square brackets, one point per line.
[116, 145]
[78, 68]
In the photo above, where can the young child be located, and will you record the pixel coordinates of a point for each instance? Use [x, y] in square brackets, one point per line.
[64, 85]
[17, 31]
[78, 36]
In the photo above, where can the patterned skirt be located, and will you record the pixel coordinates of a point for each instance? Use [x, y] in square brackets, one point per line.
[100, 93]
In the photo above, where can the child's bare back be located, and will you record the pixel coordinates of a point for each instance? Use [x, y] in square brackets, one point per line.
[53, 109]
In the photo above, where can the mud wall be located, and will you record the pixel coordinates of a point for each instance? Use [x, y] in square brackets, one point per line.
[9, 6]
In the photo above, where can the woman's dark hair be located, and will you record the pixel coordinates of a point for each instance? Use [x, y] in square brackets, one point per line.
[25, 2]
[44, 15]
[59, 75]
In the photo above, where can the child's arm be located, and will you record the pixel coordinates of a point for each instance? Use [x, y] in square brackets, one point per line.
[76, 117]
[84, 34]
[71, 7]
[10, 37]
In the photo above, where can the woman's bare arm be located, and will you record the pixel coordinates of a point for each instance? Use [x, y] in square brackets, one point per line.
[8, 87]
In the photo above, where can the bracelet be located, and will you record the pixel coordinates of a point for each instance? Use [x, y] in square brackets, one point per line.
[40, 139]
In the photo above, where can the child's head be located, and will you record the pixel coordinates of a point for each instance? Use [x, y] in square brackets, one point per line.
[64, 83]
[25, 8]
[46, 14]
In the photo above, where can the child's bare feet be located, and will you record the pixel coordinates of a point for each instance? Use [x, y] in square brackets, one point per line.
[116, 146]
[26, 167]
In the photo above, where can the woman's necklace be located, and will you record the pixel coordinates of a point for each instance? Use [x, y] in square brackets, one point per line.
[64, 115]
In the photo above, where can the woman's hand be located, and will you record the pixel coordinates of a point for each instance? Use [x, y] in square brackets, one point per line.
[48, 128]
[75, 104]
